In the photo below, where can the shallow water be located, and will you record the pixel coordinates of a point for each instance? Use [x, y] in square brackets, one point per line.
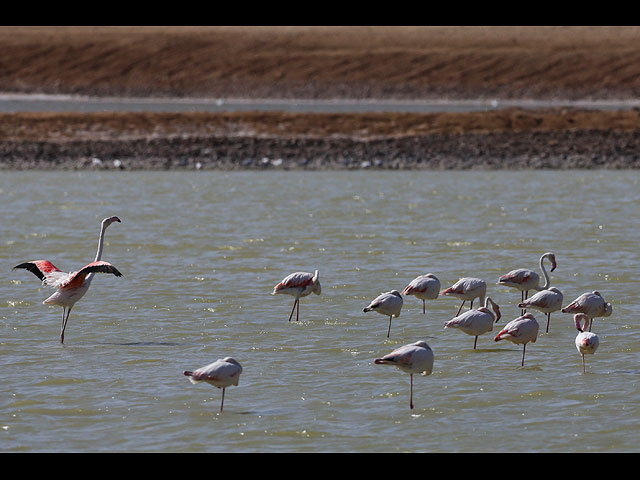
[201, 252]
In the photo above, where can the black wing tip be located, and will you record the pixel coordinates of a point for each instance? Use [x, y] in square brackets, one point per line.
[32, 268]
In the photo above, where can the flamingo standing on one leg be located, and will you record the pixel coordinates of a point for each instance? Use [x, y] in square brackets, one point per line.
[524, 279]
[413, 358]
[522, 330]
[222, 373]
[71, 287]
[586, 342]
[299, 284]
[590, 303]
[424, 287]
[546, 301]
[477, 321]
[467, 288]
[388, 303]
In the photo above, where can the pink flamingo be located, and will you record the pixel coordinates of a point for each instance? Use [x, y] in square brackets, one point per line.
[424, 287]
[467, 288]
[71, 287]
[586, 342]
[222, 373]
[477, 321]
[413, 358]
[546, 301]
[522, 330]
[590, 303]
[388, 303]
[299, 284]
[524, 279]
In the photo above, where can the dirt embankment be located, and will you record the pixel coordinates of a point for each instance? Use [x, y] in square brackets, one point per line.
[324, 62]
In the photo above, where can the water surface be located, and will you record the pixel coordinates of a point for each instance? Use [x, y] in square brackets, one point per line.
[200, 253]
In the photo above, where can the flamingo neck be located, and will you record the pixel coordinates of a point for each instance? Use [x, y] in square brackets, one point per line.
[494, 307]
[100, 243]
[578, 322]
[99, 251]
[544, 272]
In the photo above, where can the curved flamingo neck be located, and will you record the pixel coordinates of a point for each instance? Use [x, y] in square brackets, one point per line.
[494, 307]
[578, 322]
[544, 272]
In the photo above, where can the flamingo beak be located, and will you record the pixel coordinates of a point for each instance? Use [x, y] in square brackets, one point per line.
[553, 267]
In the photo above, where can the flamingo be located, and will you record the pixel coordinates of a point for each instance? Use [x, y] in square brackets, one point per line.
[388, 303]
[299, 284]
[522, 330]
[478, 321]
[590, 303]
[545, 301]
[586, 342]
[71, 287]
[424, 287]
[413, 358]
[524, 279]
[222, 373]
[467, 288]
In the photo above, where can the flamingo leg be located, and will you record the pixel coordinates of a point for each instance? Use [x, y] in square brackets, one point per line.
[64, 323]
[474, 342]
[298, 311]
[423, 308]
[548, 320]
[222, 402]
[64, 312]
[590, 323]
[524, 349]
[411, 393]
[461, 305]
[389, 330]
[294, 307]
[583, 368]
[522, 310]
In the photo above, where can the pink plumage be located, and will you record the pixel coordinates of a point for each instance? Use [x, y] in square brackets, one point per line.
[71, 287]
[520, 331]
[299, 284]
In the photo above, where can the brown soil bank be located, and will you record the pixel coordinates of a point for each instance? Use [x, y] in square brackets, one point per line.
[324, 62]
[566, 63]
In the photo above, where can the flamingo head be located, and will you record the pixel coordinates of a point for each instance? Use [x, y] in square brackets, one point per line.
[109, 220]
[552, 259]
[317, 288]
[496, 309]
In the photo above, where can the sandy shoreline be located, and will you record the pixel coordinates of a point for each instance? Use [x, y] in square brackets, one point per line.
[363, 64]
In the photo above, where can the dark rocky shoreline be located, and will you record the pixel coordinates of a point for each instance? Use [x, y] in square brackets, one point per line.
[586, 149]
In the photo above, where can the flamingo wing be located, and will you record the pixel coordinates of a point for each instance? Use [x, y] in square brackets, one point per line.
[43, 269]
[516, 276]
[399, 357]
[75, 279]
[295, 280]
[510, 330]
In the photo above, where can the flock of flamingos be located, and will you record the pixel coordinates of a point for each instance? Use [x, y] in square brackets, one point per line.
[413, 358]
